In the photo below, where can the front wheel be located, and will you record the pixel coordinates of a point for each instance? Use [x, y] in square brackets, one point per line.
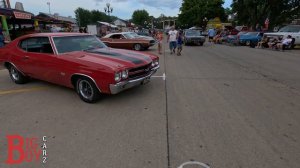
[137, 47]
[17, 76]
[87, 90]
[248, 43]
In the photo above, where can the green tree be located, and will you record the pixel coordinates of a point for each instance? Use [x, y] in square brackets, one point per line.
[96, 15]
[252, 12]
[139, 17]
[194, 11]
[83, 17]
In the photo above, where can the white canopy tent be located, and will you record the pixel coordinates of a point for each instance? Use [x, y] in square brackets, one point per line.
[108, 24]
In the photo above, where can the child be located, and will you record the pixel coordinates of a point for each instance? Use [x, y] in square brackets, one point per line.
[159, 37]
[179, 43]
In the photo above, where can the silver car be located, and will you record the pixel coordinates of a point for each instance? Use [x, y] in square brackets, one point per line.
[193, 37]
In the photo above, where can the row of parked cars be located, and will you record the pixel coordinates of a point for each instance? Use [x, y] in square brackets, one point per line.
[252, 38]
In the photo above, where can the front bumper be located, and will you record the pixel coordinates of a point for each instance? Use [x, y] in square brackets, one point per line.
[195, 41]
[124, 85]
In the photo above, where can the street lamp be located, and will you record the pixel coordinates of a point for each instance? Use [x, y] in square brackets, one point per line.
[108, 9]
[205, 20]
[48, 3]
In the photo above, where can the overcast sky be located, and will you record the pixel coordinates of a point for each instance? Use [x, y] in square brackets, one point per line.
[122, 8]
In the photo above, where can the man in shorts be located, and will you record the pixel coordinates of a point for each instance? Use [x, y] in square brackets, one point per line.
[211, 34]
[172, 39]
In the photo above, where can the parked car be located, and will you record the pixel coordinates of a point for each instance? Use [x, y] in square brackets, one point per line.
[193, 37]
[293, 30]
[78, 61]
[135, 35]
[128, 40]
[231, 30]
[143, 32]
[250, 38]
[234, 39]
[241, 28]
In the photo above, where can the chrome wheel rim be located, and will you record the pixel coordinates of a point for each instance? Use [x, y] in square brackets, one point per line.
[137, 47]
[85, 89]
[248, 43]
[14, 74]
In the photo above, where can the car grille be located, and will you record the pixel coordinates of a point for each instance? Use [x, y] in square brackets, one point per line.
[196, 39]
[152, 42]
[139, 71]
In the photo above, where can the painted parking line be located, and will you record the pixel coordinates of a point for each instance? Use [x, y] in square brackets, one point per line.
[163, 76]
[14, 91]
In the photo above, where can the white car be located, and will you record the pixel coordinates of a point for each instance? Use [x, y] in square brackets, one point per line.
[293, 30]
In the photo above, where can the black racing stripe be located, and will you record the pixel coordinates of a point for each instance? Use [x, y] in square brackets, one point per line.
[118, 55]
[140, 55]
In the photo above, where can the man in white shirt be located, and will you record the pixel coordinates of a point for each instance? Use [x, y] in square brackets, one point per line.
[285, 42]
[172, 39]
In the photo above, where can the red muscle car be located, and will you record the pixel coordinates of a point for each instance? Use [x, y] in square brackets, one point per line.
[78, 61]
[128, 40]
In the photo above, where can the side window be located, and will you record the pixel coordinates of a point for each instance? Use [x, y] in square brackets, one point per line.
[37, 45]
[115, 36]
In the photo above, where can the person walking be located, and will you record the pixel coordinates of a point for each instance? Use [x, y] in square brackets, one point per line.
[159, 38]
[1, 36]
[211, 34]
[172, 39]
[179, 43]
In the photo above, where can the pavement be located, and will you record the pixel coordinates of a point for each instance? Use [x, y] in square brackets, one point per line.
[220, 105]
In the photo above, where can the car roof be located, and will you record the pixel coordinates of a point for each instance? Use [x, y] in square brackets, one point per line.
[55, 34]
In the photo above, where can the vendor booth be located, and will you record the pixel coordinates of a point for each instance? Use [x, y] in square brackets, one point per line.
[16, 23]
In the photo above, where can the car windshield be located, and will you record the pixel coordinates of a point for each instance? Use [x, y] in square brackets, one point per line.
[77, 43]
[252, 33]
[241, 33]
[294, 29]
[131, 35]
[193, 33]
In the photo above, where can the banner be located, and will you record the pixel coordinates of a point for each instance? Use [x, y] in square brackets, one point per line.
[21, 15]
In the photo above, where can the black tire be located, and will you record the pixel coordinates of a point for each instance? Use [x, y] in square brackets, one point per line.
[87, 90]
[16, 76]
[137, 47]
[248, 43]
[201, 44]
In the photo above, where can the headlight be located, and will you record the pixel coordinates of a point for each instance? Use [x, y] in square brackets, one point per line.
[154, 63]
[125, 74]
[118, 76]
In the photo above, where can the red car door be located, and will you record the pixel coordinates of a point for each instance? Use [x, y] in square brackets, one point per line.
[39, 60]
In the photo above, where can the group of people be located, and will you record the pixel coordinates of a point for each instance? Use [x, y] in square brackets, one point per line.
[175, 40]
[275, 43]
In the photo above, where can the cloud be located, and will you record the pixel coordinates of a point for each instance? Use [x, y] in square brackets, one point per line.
[172, 4]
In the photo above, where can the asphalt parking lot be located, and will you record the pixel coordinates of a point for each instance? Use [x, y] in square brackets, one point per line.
[224, 106]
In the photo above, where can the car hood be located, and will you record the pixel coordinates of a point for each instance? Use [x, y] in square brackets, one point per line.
[145, 38]
[114, 58]
[194, 37]
[247, 36]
